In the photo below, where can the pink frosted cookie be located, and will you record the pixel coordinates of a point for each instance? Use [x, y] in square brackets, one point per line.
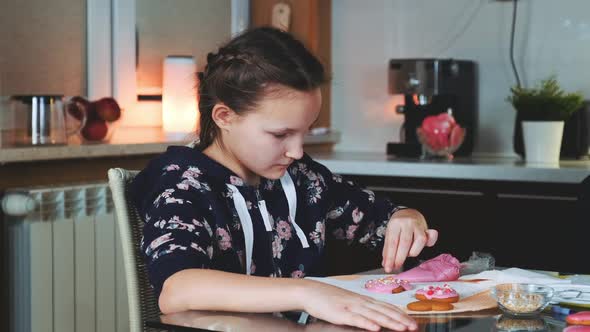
[437, 294]
[387, 285]
[580, 318]
[577, 328]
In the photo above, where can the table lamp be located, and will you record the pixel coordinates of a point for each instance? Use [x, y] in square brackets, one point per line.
[179, 97]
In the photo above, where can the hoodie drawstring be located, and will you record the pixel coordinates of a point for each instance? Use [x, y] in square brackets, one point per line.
[246, 220]
[289, 188]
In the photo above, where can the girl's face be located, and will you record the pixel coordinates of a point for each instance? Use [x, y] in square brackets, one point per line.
[266, 140]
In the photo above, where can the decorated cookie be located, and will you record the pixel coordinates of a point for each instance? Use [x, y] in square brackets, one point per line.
[442, 306]
[420, 306]
[438, 294]
[429, 306]
[580, 318]
[577, 328]
[387, 285]
[398, 290]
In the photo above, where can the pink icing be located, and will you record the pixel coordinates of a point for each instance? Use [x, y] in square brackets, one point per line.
[444, 267]
[582, 316]
[386, 285]
[577, 328]
[432, 292]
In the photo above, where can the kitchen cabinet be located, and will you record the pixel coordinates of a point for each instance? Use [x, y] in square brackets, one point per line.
[530, 225]
[543, 229]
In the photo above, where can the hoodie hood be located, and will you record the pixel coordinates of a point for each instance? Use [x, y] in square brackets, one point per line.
[151, 181]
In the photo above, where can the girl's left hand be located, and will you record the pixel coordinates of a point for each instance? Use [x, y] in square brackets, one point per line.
[407, 234]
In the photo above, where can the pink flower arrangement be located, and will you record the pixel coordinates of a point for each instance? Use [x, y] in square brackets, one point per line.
[440, 135]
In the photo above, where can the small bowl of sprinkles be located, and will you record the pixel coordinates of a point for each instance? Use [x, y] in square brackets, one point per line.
[522, 299]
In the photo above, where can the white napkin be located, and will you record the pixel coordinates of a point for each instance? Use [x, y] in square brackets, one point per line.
[515, 275]
[563, 288]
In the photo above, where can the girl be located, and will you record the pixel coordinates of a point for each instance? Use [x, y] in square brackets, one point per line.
[229, 220]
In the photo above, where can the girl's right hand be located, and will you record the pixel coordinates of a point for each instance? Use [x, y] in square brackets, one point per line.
[342, 307]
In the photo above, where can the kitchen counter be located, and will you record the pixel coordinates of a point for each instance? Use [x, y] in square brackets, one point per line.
[485, 204]
[125, 142]
[135, 142]
[467, 168]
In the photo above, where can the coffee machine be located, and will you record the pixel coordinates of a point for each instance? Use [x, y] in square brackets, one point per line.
[430, 87]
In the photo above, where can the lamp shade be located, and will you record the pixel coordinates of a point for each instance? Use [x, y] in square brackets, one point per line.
[179, 97]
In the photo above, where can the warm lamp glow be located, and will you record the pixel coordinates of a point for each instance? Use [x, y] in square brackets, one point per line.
[179, 97]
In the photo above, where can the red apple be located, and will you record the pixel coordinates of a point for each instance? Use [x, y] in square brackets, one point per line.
[107, 109]
[95, 130]
[92, 114]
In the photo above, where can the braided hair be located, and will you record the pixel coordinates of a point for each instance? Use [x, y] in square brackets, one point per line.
[242, 71]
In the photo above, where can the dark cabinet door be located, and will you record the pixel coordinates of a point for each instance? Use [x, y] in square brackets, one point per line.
[540, 232]
[509, 220]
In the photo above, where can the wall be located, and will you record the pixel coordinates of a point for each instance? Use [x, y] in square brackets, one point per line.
[186, 28]
[179, 27]
[552, 37]
[42, 47]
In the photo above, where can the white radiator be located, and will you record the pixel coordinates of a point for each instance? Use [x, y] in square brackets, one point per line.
[66, 270]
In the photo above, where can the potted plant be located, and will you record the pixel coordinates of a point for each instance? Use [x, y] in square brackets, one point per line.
[543, 110]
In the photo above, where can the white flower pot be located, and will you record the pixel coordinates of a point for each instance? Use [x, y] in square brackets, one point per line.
[542, 141]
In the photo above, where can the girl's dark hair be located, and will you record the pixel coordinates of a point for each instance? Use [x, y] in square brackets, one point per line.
[238, 74]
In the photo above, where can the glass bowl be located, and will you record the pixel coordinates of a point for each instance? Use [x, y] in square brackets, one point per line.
[522, 299]
[440, 144]
[509, 323]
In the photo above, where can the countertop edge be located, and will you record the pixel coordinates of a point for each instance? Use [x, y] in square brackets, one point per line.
[488, 169]
[105, 150]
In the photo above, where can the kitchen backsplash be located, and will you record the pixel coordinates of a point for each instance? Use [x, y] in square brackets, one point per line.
[552, 37]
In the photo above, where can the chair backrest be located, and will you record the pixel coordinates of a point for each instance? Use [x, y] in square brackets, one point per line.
[142, 300]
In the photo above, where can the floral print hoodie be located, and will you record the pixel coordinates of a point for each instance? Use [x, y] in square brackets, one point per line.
[199, 214]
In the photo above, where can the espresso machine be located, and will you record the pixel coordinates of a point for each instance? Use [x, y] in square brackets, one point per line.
[430, 87]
